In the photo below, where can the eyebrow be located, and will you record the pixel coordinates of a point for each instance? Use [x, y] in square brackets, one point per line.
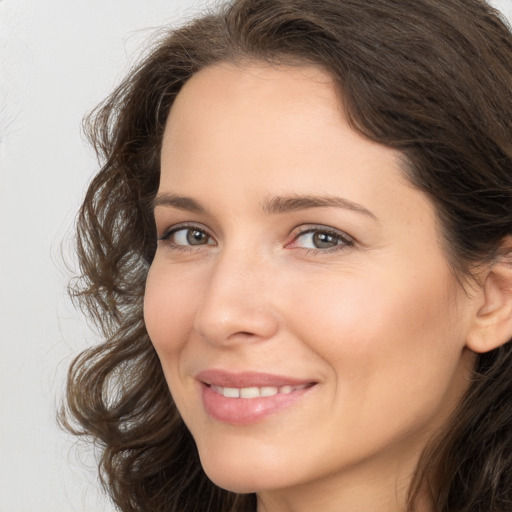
[280, 204]
[272, 205]
[179, 202]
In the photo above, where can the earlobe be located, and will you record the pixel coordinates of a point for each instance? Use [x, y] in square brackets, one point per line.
[492, 323]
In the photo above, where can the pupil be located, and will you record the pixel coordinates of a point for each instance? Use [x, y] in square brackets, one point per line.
[195, 237]
[323, 240]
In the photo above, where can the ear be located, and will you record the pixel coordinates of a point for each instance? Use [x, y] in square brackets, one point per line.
[492, 322]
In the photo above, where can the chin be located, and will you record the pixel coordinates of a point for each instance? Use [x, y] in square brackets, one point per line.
[246, 474]
[233, 479]
[235, 484]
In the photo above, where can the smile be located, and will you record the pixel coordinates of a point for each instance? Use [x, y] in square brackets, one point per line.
[257, 392]
[250, 397]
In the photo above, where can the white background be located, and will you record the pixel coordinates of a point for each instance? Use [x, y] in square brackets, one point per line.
[58, 59]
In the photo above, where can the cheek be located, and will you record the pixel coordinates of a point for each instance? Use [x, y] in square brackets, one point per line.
[393, 352]
[384, 338]
[169, 304]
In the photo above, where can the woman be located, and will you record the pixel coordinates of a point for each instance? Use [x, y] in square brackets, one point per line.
[299, 251]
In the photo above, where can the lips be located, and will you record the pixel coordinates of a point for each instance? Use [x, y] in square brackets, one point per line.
[249, 397]
[247, 379]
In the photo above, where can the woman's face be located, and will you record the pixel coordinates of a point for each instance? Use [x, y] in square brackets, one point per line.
[300, 301]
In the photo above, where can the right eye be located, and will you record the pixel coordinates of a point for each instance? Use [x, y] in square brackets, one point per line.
[187, 236]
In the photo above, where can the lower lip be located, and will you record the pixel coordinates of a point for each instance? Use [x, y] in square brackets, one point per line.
[247, 411]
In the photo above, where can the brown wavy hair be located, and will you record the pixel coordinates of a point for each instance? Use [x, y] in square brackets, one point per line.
[431, 78]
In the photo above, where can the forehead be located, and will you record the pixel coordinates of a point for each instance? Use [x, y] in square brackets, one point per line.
[262, 99]
[291, 84]
[259, 119]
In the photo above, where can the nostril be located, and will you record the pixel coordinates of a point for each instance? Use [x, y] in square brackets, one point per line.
[224, 317]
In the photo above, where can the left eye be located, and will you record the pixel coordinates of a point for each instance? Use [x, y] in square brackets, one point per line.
[320, 239]
[189, 236]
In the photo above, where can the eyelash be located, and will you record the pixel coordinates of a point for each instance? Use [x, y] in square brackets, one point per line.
[166, 237]
[344, 240]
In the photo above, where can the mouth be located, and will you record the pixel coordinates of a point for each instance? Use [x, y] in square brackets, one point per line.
[249, 398]
[257, 392]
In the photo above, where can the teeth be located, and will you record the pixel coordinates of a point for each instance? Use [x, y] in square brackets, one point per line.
[249, 393]
[269, 391]
[255, 392]
[231, 392]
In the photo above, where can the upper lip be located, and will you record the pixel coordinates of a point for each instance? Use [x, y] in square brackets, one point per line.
[247, 379]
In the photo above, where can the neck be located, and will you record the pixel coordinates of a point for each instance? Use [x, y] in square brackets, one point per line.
[359, 489]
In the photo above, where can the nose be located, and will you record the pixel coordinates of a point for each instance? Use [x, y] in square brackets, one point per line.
[237, 306]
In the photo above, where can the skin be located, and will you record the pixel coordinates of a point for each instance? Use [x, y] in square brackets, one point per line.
[378, 320]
